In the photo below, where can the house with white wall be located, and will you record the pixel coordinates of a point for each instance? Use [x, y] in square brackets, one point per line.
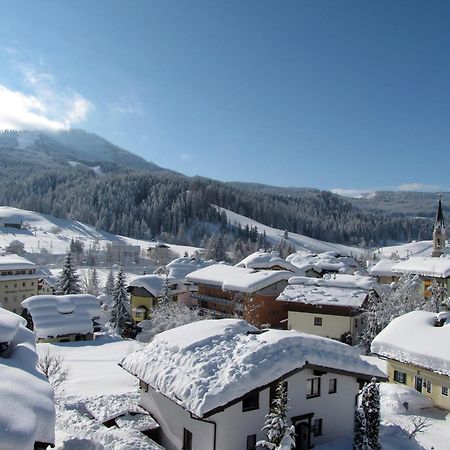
[210, 384]
[415, 346]
[27, 413]
[62, 318]
[332, 306]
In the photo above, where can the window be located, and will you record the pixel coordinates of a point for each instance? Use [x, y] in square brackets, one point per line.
[24, 284]
[251, 442]
[332, 386]
[445, 391]
[187, 439]
[317, 427]
[143, 385]
[427, 385]
[313, 388]
[318, 321]
[250, 402]
[356, 323]
[399, 377]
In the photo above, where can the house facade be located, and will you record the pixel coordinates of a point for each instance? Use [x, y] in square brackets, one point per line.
[333, 306]
[229, 291]
[227, 413]
[18, 281]
[421, 359]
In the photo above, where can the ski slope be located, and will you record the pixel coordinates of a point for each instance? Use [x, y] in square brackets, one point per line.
[299, 241]
[54, 235]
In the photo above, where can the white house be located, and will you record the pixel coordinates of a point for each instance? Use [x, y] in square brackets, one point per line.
[209, 384]
[383, 271]
[332, 306]
[416, 348]
[27, 413]
[62, 318]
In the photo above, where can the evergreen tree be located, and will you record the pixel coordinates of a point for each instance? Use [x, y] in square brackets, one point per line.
[120, 310]
[69, 281]
[367, 418]
[438, 295]
[109, 287]
[165, 297]
[276, 426]
[94, 284]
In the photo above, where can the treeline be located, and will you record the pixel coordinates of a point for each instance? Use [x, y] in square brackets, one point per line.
[179, 209]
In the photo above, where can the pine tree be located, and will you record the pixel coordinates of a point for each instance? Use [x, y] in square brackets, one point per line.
[120, 310]
[367, 418]
[94, 285]
[69, 281]
[109, 287]
[276, 426]
[165, 297]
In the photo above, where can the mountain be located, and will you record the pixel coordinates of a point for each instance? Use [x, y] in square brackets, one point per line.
[64, 147]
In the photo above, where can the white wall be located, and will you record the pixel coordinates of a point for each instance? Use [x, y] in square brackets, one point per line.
[234, 425]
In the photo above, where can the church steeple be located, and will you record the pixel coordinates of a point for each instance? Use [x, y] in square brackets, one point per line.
[439, 234]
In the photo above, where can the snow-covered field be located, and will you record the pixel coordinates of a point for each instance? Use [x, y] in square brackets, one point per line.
[299, 241]
[54, 235]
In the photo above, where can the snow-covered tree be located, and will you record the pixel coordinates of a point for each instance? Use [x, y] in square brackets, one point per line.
[215, 248]
[94, 284]
[166, 297]
[403, 297]
[279, 435]
[69, 281]
[120, 310]
[109, 287]
[367, 418]
[165, 316]
[438, 296]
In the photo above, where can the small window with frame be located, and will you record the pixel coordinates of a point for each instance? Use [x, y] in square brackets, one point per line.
[317, 427]
[399, 377]
[251, 442]
[250, 402]
[313, 387]
[317, 321]
[187, 440]
[332, 386]
[444, 391]
[143, 386]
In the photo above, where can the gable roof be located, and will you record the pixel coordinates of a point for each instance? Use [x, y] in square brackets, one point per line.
[27, 413]
[333, 290]
[208, 364]
[413, 339]
[266, 260]
[232, 278]
[14, 262]
[383, 268]
[58, 315]
[427, 266]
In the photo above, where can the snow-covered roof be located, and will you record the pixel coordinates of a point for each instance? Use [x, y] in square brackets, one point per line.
[154, 284]
[266, 260]
[208, 364]
[180, 267]
[58, 315]
[428, 266]
[232, 278]
[413, 339]
[324, 262]
[335, 290]
[138, 422]
[27, 412]
[383, 268]
[14, 262]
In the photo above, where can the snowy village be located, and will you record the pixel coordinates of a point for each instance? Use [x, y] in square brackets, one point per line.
[224, 225]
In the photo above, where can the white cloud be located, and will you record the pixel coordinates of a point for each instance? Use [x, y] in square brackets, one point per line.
[42, 106]
[408, 187]
[185, 156]
[355, 193]
[420, 187]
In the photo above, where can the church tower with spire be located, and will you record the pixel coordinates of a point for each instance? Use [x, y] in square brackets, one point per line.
[439, 234]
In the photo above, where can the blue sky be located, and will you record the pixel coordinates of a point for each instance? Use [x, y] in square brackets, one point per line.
[348, 95]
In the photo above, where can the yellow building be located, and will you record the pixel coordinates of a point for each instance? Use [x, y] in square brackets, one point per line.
[415, 347]
[18, 281]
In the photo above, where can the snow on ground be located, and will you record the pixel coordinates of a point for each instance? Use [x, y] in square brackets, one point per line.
[299, 241]
[415, 248]
[54, 235]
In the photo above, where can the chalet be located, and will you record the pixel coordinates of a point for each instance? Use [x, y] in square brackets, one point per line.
[18, 281]
[383, 271]
[62, 318]
[332, 306]
[27, 415]
[210, 384]
[147, 290]
[414, 346]
[266, 261]
[317, 265]
[227, 291]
